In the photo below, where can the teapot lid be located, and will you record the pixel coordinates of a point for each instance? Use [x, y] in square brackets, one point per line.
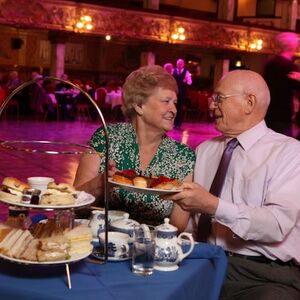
[124, 223]
[166, 226]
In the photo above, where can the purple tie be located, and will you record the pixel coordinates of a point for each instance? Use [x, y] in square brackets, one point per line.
[204, 224]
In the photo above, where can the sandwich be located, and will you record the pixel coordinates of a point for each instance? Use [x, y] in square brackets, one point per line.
[8, 242]
[4, 231]
[59, 194]
[79, 238]
[12, 189]
[20, 245]
[30, 251]
[53, 248]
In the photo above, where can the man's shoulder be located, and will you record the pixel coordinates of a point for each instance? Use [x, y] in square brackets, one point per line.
[278, 140]
[210, 144]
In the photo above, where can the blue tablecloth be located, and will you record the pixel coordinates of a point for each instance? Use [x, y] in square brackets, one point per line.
[200, 276]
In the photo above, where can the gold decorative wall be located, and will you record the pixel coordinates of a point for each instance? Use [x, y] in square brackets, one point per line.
[62, 16]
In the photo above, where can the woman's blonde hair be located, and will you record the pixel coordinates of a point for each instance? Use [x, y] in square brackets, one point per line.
[142, 83]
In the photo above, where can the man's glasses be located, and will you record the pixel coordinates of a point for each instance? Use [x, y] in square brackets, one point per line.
[218, 98]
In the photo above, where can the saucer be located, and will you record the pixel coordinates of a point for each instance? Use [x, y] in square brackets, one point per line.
[98, 254]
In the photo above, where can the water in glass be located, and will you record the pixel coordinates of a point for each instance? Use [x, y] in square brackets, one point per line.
[143, 256]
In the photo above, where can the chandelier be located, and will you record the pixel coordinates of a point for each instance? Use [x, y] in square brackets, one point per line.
[256, 44]
[85, 23]
[178, 34]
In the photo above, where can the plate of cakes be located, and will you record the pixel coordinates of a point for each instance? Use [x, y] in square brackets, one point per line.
[57, 196]
[157, 185]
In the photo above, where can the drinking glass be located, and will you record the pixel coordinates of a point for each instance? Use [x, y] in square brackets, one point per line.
[143, 251]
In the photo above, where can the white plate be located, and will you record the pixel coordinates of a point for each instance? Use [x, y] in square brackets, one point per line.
[83, 199]
[74, 258]
[143, 190]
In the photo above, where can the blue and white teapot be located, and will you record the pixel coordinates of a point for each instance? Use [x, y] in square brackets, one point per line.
[168, 252]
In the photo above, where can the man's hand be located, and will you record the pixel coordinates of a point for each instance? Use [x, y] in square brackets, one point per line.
[195, 198]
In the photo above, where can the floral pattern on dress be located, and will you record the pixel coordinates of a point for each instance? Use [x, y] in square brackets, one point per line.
[173, 159]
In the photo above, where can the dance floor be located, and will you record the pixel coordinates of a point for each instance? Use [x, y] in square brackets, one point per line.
[62, 167]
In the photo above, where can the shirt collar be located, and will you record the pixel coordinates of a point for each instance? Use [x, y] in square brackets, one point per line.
[252, 135]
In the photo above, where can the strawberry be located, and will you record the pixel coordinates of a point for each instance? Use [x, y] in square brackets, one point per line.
[129, 173]
[159, 180]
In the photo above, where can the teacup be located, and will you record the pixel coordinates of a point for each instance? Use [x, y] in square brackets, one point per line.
[39, 183]
[119, 244]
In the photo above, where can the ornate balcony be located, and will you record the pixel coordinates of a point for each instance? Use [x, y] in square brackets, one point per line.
[138, 25]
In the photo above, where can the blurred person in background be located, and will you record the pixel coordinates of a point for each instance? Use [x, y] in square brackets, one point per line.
[169, 68]
[183, 78]
[60, 86]
[13, 81]
[282, 86]
[39, 100]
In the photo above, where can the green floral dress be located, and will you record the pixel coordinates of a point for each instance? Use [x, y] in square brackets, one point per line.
[172, 159]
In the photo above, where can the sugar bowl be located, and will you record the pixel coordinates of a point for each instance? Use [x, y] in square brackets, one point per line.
[124, 225]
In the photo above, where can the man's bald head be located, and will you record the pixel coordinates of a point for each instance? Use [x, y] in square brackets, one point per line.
[241, 101]
[249, 82]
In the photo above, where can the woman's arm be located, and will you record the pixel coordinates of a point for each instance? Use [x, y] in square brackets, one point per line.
[87, 178]
[179, 217]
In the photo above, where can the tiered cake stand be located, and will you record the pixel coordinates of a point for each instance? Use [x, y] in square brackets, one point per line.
[21, 146]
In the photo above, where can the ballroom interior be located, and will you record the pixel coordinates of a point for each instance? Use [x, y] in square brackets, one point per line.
[88, 48]
[218, 36]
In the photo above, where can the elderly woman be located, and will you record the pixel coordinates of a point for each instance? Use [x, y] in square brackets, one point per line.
[149, 96]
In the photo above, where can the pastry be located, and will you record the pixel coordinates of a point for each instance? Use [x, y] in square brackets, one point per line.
[12, 189]
[140, 181]
[124, 177]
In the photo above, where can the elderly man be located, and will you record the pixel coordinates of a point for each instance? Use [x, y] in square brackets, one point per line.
[252, 209]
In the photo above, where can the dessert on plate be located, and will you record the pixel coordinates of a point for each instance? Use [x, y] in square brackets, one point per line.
[130, 177]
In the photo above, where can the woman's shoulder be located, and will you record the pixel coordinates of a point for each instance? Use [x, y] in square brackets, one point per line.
[180, 147]
[116, 128]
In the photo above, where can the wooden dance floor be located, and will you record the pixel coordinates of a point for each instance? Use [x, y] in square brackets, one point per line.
[63, 167]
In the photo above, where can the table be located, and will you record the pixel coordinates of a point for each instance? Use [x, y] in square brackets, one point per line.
[197, 278]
